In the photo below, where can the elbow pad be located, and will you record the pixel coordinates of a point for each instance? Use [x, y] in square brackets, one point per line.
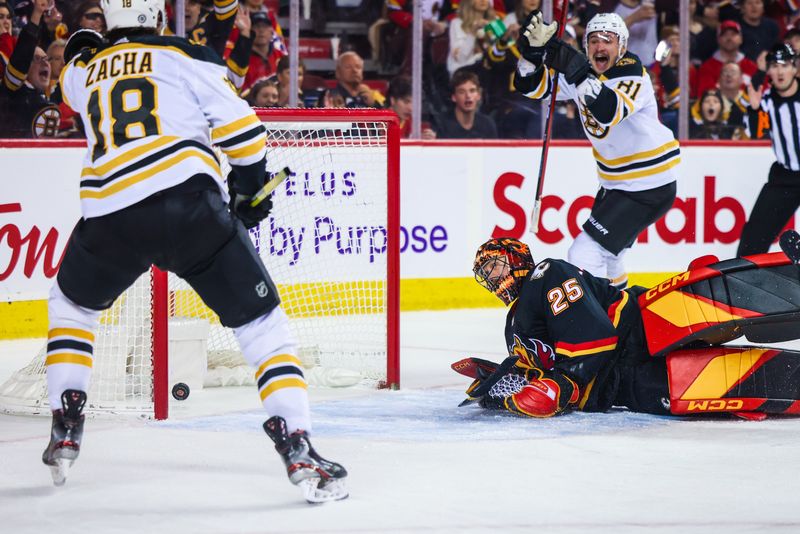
[604, 105]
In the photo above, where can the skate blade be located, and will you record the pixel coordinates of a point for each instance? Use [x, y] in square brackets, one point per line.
[315, 491]
[60, 470]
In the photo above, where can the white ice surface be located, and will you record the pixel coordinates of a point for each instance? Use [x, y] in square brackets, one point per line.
[417, 463]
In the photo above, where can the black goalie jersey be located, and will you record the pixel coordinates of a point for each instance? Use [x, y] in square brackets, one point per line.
[571, 327]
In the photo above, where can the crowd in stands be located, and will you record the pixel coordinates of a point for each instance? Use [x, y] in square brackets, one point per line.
[357, 53]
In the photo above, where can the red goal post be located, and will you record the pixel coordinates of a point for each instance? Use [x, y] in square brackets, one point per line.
[331, 245]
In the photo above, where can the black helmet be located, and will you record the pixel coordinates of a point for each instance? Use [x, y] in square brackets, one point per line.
[780, 53]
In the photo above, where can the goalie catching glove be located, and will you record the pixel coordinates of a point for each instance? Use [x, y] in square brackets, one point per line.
[517, 388]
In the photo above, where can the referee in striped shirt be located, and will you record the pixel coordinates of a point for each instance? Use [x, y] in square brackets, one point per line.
[777, 111]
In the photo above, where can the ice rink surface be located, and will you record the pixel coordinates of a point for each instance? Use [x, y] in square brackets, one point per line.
[417, 463]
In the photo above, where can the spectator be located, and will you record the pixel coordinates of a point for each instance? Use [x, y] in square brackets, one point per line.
[6, 17]
[708, 118]
[467, 35]
[55, 56]
[25, 110]
[518, 15]
[267, 48]
[263, 93]
[89, 15]
[283, 76]
[7, 40]
[517, 117]
[237, 56]
[211, 27]
[792, 38]
[702, 38]
[331, 98]
[667, 83]
[640, 18]
[731, 86]
[396, 38]
[350, 82]
[53, 28]
[759, 33]
[465, 121]
[729, 38]
[400, 101]
[193, 12]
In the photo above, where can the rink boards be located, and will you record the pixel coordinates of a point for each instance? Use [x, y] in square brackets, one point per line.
[454, 195]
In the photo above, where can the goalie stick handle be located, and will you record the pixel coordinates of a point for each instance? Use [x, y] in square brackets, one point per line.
[537, 204]
[270, 186]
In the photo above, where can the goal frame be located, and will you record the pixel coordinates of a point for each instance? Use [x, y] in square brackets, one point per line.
[160, 289]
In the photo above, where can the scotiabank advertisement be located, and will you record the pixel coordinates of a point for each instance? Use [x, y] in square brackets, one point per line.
[454, 197]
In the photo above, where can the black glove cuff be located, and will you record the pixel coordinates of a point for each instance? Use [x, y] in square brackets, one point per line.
[564, 59]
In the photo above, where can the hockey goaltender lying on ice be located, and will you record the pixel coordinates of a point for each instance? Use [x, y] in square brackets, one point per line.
[577, 343]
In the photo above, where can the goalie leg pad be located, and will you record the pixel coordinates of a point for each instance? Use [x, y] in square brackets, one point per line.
[734, 379]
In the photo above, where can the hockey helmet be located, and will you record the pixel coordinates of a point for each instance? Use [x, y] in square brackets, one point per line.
[501, 266]
[134, 13]
[781, 53]
[607, 23]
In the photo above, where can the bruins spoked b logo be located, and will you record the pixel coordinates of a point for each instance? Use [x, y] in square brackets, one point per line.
[46, 122]
[590, 124]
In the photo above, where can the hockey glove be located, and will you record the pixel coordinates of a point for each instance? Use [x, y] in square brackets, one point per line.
[250, 215]
[564, 59]
[242, 199]
[589, 89]
[535, 36]
[81, 40]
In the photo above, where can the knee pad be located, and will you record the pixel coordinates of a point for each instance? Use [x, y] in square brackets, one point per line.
[63, 313]
[616, 269]
[587, 254]
[265, 336]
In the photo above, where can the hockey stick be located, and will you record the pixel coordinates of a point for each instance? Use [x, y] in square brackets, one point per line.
[537, 203]
[270, 186]
[790, 245]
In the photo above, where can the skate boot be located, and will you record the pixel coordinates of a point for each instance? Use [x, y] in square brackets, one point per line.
[320, 480]
[65, 435]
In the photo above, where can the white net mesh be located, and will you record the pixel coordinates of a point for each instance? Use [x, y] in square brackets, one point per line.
[324, 246]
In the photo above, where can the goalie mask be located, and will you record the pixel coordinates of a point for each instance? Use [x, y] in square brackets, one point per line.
[134, 13]
[501, 266]
[607, 23]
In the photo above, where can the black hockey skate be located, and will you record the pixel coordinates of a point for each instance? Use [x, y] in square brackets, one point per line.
[319, 479]
[65, 435]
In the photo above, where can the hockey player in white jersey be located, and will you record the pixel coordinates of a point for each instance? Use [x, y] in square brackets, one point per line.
[636, 155]
[152, 192]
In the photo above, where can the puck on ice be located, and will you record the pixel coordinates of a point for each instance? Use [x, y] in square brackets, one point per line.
[180, 391]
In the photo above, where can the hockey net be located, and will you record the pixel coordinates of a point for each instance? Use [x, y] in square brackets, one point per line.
[330, 245]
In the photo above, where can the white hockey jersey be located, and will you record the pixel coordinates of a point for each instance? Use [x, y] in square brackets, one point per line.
[634, 151]
[151, 107]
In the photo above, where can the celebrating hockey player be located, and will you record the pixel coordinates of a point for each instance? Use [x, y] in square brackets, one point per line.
[636, 155]
[152, 193]
[575, 342]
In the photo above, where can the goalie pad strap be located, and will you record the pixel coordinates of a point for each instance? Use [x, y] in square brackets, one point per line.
[734, 379]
